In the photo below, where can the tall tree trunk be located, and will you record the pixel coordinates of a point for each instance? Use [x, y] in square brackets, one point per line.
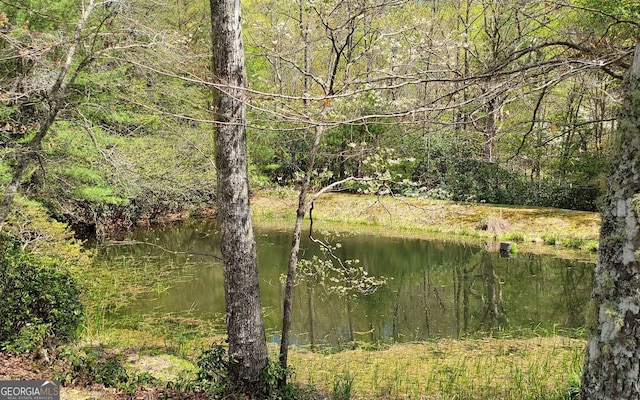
[490, 131]
[612, 365]
[245, 327]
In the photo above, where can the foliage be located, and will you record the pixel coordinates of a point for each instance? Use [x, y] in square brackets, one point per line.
[477, 181]
[90, 365]
[94, 365]
[98, 180]
[213, 377]
[573, 393]
[39, 300]
[133, 140]
[343, 387]
[30, 225]
[41, 15]
[616, 18]
[213, 368]
[91, 175]
[346, 278]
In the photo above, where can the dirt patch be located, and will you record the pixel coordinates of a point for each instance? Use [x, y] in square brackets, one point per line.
[163, 367]
[24, 368]
[18, 367]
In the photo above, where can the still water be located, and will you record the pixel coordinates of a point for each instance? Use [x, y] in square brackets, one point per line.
[433, 289]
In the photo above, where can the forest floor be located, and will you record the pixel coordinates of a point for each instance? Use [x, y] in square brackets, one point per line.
[499, 367]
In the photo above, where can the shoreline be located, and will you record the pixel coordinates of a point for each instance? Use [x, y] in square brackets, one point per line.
[558, 232]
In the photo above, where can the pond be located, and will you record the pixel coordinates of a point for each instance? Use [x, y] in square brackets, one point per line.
[433, 289]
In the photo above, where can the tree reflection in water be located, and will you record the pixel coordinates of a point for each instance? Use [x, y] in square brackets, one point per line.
[436, 288]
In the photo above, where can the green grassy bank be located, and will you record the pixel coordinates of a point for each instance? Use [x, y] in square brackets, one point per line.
[489, 368]
[565, 233]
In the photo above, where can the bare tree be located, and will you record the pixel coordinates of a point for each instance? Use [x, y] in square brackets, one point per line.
[345, 40]
[245, 328]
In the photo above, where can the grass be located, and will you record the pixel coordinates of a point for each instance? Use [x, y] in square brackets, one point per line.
[572, 233]
[488, 368]
[449, 369]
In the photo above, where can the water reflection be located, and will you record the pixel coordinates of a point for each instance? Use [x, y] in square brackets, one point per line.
[437, 289]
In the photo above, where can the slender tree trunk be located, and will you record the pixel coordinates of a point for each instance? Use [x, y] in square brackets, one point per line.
[304, 35]
[287, 300]
[303, 206]
[26, 156]
[245, 328]
[612, 365]
[350, 319]
[490, 131]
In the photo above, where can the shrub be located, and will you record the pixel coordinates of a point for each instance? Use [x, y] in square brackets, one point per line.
[96, 365]
[213, 368]
[480, 181]
[39, 298]
[39, 301]
[213, 377]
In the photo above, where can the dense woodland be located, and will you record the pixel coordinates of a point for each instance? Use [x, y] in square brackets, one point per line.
[109, 110]
[503, 101]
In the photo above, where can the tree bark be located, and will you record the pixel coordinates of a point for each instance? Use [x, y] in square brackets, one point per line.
[245, 327]
[612, 364]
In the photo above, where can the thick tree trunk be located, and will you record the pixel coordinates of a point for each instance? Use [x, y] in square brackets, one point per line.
[245, 328]
[612, 365]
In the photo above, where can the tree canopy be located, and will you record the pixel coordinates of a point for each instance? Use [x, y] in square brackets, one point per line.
[504, 102]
